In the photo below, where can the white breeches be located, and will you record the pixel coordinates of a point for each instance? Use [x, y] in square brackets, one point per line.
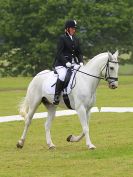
[61, 70]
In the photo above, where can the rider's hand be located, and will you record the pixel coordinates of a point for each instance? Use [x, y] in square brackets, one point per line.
[76, 67]
[68, 64]
[81, 64]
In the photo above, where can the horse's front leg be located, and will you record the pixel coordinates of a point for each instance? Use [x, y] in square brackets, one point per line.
[51, 114]
[82, 113]
[88, 112]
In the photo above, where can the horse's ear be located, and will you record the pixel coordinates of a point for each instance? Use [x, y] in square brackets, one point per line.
[116, 54]
[110, 56]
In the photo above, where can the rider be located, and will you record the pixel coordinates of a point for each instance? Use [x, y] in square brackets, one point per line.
[68, 54]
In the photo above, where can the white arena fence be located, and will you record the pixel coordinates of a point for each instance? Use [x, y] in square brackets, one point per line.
[67, 113]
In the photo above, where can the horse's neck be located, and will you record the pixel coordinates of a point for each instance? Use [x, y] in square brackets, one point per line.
[94, 68]
[95, 65]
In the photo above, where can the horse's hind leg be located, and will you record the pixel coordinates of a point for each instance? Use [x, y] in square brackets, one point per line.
[51, 114]
[73, 138]
[28, 119]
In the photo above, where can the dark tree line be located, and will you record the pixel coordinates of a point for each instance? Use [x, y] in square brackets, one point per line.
[29, 30]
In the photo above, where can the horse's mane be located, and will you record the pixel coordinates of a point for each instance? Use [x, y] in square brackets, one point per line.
[96, 57]
[43, 72]
[99, 55]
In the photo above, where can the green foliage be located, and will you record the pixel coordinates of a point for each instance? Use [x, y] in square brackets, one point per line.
[33, 26]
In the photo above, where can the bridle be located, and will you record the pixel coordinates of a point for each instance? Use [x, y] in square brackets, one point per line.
[107, 76]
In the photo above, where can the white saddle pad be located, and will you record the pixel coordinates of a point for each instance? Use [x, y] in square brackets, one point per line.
[49, 88]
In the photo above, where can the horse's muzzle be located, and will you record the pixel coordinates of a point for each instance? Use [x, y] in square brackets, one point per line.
[113, 85]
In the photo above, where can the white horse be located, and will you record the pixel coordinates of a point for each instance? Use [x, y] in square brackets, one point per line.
[82, 96]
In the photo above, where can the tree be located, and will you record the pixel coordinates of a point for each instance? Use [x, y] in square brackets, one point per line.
[31, 28]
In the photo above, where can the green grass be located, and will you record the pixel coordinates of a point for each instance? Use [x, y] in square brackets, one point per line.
[12, 90]
[14, 83]
[126, 69]
[120, 97]
[110, 132]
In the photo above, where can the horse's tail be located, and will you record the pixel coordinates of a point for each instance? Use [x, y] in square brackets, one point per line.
[23, 107]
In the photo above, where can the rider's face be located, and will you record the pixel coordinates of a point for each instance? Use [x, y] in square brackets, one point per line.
[72, 31]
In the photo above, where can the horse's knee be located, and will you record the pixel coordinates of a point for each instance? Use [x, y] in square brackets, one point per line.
[85, 130]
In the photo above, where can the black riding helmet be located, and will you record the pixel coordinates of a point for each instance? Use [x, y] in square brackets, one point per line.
[71, 24]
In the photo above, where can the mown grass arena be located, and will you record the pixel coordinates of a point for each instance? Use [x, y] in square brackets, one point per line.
[111, 133]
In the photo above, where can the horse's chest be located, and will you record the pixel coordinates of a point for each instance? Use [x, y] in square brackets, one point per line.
[87, 100]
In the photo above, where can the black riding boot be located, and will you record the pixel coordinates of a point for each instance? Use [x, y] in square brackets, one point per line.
[58, 89]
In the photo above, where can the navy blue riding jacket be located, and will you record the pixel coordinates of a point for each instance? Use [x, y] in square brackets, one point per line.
[68, 49]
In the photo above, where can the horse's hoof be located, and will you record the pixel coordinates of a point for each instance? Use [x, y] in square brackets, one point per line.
[19, 145]
[69, 138]
[92, 147]
[52, 148]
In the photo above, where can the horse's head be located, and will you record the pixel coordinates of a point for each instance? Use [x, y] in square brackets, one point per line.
[110, 70]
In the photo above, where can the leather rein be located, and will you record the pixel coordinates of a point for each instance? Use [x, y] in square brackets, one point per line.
[107, 74]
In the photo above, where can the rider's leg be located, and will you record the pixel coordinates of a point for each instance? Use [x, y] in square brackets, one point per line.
[60, 82]
[58, 89]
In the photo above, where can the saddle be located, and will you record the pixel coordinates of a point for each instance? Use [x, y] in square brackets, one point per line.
[69, 82]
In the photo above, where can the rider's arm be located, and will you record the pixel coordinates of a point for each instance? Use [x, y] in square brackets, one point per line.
[60, 48]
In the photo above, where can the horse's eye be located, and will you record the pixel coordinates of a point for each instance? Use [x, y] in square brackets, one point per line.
[111, 68]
